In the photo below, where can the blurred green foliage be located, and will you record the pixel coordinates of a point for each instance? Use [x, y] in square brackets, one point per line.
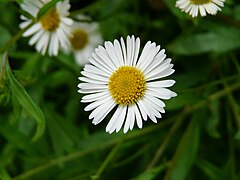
[197, 138]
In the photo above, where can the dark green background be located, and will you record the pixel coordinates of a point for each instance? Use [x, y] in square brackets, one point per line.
[198, 137]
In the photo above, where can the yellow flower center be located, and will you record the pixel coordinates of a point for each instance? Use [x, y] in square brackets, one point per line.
[127, 85]
[50, 21]
[200, 2]
[79, 39]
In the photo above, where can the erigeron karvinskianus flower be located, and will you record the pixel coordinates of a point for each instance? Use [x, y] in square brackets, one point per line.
[51, 32]
[120, 79]
[85, 37]
[194, 7]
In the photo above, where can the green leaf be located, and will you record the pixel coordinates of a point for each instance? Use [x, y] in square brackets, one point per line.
[13, 135]
[5, 36]
[237, 135]
[60, 139]
[182, 100]
[46, 8]
[151, 173]
[214, 120]
[209, 169]
[185, 153]
[27, 103]
[4, 174]
[25, 14]
[220, 39]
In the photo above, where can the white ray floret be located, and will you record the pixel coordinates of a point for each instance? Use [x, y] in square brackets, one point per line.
[51, 32]
[202, 7]
[85, 37]
[119, 78]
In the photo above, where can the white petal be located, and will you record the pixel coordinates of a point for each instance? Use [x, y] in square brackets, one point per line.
[136, 51]
[32, 30]
[156, 62]
[124, 51]
[118, 51]
[161, 93]
[94, 81]
[122, 117]
[158, 69]
[111, 53]
[97, 103]
[93, 97]
[163, 83]
[102, 56]
[102, 111]
[138, 118]
[130, 117]
[111, 125]
[94, 76]
[130, 48]
[35, 38]
[88, 91]
[144, 54]
[142, 110]
[92, 86]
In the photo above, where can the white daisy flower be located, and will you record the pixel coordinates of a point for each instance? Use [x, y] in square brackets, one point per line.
[118, 78]
[85, 37]
[52, 30]
[203, 6]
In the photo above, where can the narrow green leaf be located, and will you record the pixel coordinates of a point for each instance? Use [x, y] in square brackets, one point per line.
[60, 139]
[14, 136]
[5, 36]
[237, 135]
[46, 8]
[214, 120]
[182, 100]
[26, 14]
[209, 169]
[4, 174]
[151, 173]
[185, 153]
[27, 103]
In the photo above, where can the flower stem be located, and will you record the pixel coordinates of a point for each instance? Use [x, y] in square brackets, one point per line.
[107, 161]
[15, 38]
[130, 136]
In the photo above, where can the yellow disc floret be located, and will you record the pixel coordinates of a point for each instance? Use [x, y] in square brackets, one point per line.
[127, 85]
[79, 39]
[50, 21]
[200, 2]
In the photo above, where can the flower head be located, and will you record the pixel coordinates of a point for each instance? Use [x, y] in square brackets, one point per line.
[121, 79]
[203, 6]
[85, 37]
[51, 31]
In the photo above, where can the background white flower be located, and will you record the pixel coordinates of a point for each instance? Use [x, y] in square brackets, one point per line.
[85, 37]
[118, 78]
[203, 6]
[52, 30]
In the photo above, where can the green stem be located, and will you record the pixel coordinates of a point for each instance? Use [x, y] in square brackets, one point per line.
[4, 62]
[181, 117]
[15, 38]
[216, 82]
[62, 160]
[165, 142]
[231, 145]
[8, 45]
[80, 154]
[130, 136]
[106, 162]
